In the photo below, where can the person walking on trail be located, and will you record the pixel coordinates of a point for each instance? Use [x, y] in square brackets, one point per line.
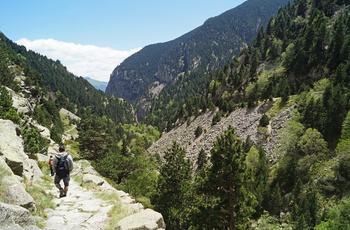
[51, 166]
[63, 165]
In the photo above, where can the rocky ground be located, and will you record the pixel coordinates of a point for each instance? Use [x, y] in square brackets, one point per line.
[82, 208]
[245, 121]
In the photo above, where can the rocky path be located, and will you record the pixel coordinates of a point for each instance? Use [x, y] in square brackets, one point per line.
[81, 209]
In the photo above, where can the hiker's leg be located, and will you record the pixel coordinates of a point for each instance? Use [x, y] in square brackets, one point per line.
[66, 184]
[65, 190]
[58, 186]
[57, 182]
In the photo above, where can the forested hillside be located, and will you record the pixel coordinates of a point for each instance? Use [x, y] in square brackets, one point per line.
[300, 59]
[107, 132]
[67, 90]
[140, 77]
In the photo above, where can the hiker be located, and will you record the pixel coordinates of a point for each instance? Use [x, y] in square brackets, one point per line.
[63, 163]
[51, 163]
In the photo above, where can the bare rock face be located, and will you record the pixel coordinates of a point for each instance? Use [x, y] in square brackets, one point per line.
[147, 219]
[12, 152]
[11, 147]
[21, 103]
[15, 217]
[14, 193]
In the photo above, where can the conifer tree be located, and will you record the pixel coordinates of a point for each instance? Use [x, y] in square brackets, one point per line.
[229, 203]
[5, 101]
[172, 197]
[93, 139]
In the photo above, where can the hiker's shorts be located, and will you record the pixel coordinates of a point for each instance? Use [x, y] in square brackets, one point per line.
[66, 180]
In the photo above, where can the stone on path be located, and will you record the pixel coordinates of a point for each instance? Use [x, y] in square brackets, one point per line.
[145, 220]
[80, 210]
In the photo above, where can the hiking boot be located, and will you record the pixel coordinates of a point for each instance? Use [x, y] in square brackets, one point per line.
[62, 193]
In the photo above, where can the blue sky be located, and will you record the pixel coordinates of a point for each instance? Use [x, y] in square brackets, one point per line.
[92, 37]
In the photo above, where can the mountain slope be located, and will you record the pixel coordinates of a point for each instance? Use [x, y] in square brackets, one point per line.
[101, 85]
[71, 92]
[214, 43]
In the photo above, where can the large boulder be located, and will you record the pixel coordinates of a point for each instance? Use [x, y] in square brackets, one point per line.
[15, 217]
[32, 170]
[14, 193]
[12, 152]
[20, 103]
[11, 147]
[89, 178]
[147, 219]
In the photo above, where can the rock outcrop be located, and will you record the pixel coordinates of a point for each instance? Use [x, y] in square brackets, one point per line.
[144, 220]
[14, 217]
[12, 152]
[15, 193]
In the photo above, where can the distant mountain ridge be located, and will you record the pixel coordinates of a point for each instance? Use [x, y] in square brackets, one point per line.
[101, 85]
[211, 45]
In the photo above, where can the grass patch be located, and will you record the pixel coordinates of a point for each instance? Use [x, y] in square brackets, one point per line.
[145, 201]
[43, 200]
[118, 211]
[78, 178]
[278, 106]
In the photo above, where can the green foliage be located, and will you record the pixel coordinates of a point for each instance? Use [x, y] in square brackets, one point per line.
[264, 120]
[201, 160]
[198, 131]
[289, 136]
[312, 142]
[305, 207]
[229, 202]
[116, 166]
[181, 55]
[173, 197]
[13, 116]
[47, 114]
[257, 177]
[5, 102]
[345, 132]
[43, 200]
[217, 118]
[93, 139]
[337, 217]
[33, 142]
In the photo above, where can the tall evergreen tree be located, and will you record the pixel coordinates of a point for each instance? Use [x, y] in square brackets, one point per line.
[229, 203]
[173, 190]
[5, 101]
[93, 139]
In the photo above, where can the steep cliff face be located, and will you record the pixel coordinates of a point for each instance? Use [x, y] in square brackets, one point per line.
[203, 49]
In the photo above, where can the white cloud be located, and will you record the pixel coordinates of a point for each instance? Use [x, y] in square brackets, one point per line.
[82, 60]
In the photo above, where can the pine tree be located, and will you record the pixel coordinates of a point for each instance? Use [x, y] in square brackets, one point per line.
[172, 197]
[93, 139]
[229, 203]
[5, 101]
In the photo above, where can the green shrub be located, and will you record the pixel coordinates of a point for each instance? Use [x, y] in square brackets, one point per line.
[264, 121]
[198, 131]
